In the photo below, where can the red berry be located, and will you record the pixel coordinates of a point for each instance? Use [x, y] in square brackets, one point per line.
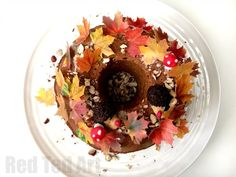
[98, 132]
[159, 114]
[117, 123]
[170, 60]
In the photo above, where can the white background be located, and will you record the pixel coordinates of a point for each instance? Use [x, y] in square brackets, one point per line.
[22, 24]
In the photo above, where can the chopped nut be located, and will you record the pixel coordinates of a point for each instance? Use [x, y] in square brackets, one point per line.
[108, 157]
[123, 46]
[145, 106]
[154, 77]
[92, 90]
[92, 152]
[96, 98]
[173, 102]
[87, 82]
[105, 60]
[153, 118]
[59, 52]
[80, 49]
[169, 83]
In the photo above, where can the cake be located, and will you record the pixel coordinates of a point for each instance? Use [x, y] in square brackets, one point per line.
[124, 85]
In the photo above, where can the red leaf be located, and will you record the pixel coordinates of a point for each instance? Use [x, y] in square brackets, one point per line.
[164, 132]
[113, 27]
[135, 39]
[79, 110]
[110, 142]
[139, 23]
[160, 35]
[179, 52]
[136, 128]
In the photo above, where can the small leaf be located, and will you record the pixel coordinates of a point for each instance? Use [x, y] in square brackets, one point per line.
[46, 96]
[79, 110]
[62, 108]
[179, 52]
[83, 132]
[116, 26]
[135, 39]
[88, 60]
[182, 129]
[160, 35]
[83, 30]
[154, 50]
[102, 42]
[139, 23]
[136, 127]
[164, 132]
[76, 91]
[62, 84]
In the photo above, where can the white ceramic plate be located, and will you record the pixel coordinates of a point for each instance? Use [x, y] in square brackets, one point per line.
[55, 139]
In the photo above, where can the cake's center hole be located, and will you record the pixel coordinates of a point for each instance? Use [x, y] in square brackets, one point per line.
[122, 87]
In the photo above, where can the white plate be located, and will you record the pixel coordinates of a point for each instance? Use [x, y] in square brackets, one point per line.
[55, 139]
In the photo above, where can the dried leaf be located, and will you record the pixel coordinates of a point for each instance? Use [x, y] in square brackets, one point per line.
[46, 96]
[164, 132]
[79, 110]
[179, 52]
[135, 39]
[76, 91]
[160, 35]
[88, 60]
[139, 23]
[83, 30]
[83, 132]
[176, 112]
[62, 108]
[116, 26]
[182, 129]
[102, 42]
[136, 127]
[154, 50]
[110, 142]
[64, 87]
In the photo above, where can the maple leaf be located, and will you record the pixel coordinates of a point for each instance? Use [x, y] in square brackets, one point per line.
[88, 60]
[183, 86]
[135, 39]
[136, 127]
[83, 30]
[113, 27]
[64, 87]
[83, 132]
[46, 96]
[179, 52]
[154, 50]
[139, 23]
[184, 68]
[160, 35]
[76, 91]
[102, 42]
[164, 132]
[182, 129]
[62, 108]
[79, 110]
[110, 141]
[176, 112]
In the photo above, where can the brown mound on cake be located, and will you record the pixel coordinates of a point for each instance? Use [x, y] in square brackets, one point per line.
[124, 85]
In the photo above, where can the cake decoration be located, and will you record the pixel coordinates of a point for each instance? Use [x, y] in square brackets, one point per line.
[123, 86]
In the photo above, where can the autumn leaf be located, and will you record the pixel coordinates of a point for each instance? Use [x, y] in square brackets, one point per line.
[183, 86]
[139, 23]
[160, 35]
[62, 108]
[184, 68]
[88, 60]
[164, 132]
[135, 39]
[102, 42]
[179, 52]
[46, 96]
[84, 31]
[154, 50]
[64, 87]
[182, 129]
[79, 110]
[111, 141]
[113, 27]
[176, 112]
[76, 91]
[83, 132]
[136, 127]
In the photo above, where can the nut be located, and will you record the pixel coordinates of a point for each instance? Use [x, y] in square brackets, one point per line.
[92, 90]
[169, 83]
[108, 157]
[153, 118]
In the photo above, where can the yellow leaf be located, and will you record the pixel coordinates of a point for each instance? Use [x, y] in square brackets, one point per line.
[62, 84]
[62, 108]
[102, 42]
[83, 30]
[154, 50]
[85, 130]
[76, 91]
[46, 96]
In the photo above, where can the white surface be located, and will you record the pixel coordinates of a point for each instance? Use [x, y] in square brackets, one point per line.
[22, 25]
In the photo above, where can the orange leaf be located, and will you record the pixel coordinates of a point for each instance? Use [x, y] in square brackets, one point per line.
[164, 132]
[88, 60]
[62, 108]
[113, 27]
[83, 30]
[182, 129]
